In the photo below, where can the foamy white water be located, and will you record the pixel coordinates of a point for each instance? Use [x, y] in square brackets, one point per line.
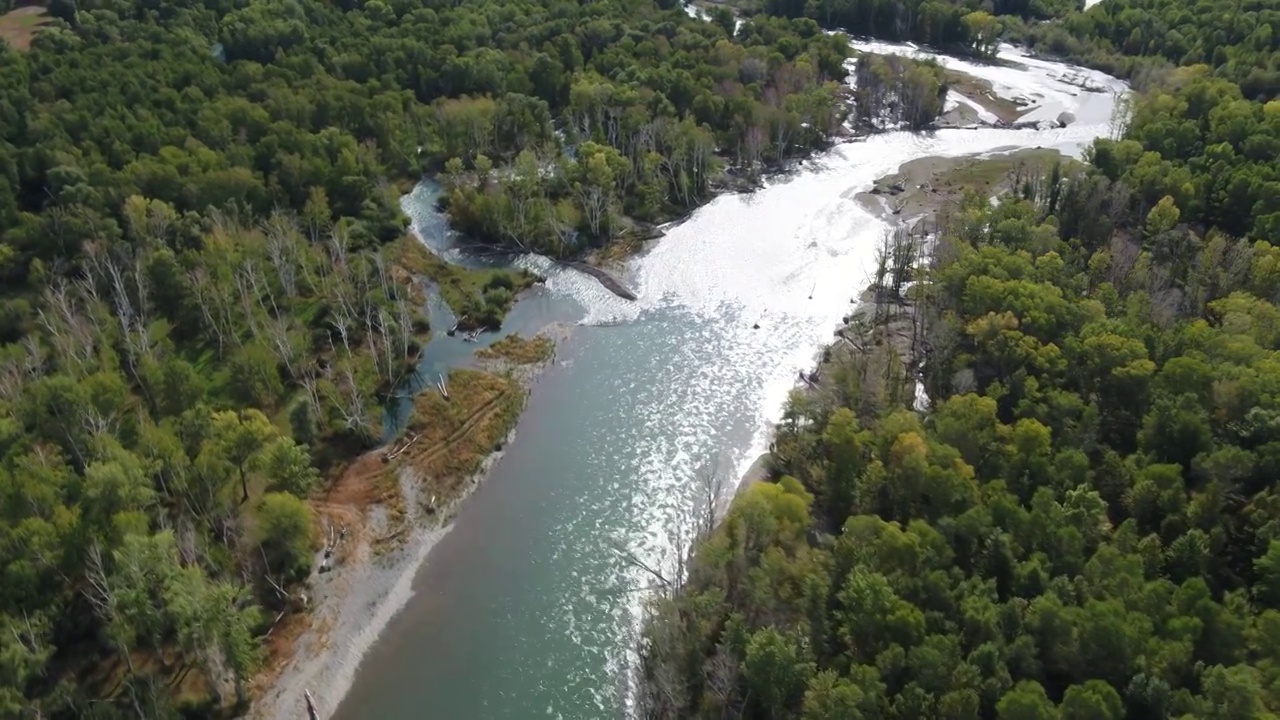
[1046, 88]
[527, 609]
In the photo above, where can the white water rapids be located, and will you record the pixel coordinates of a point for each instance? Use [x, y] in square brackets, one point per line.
[524, 609]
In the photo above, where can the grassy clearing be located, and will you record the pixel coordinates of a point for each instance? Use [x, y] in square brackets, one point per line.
[518, 350]
[18, 26]
[480, 298]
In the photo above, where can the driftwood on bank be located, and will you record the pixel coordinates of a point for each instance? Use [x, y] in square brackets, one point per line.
[333, 538]
[312, 712]
[400, 450]
[610, 282]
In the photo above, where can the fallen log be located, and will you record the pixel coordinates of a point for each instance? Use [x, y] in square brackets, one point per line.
[609, 281]
[400, 450]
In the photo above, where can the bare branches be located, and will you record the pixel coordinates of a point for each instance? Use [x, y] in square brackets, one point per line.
[722, 672]
[266, 574]
[98, 592]
[68, 328]
[753, 142]
[338, 246]
[594, 201]
[711, 490]
[351, 403]
[782, 129]
[107, 268]
[246, 281]
[635, 561]
[309, 383]
[282, 241]
[404, 325]
[279, 334]
[102, 595]
[214, 306]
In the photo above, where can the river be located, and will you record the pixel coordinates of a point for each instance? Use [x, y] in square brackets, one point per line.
[525, 609]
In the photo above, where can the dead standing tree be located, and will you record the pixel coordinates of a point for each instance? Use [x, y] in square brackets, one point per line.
[69, 329]
[686, 528]
[663, 691]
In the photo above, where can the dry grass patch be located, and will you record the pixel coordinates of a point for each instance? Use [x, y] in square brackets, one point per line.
[518, 350]
[618, 250]
[454, 436]
[989, 175]
[18, 26]
[189, 685]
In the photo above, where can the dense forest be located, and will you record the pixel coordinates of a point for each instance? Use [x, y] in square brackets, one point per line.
[1143, 39]
[1082, 523]
[207, 292]
[964, 26]
[894, 91]
[1207, 133]
[642, 139]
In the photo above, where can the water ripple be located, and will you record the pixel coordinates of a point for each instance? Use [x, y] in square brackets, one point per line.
[547, 606]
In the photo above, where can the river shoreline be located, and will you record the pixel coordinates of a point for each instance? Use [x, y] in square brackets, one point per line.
[929, 186]
[926, 186]
[351, 604]
[372, 572]
[354, 602]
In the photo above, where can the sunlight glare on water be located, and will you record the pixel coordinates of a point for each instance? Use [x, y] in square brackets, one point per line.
[525, 609]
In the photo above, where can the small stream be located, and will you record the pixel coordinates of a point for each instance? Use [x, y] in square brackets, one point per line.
[538, 307]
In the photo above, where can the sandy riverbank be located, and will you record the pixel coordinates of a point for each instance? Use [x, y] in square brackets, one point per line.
[978, 97]
[351, 605]
[374, 567]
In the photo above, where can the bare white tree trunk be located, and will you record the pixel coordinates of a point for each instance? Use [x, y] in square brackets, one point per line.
[594, 201]
[281, 229]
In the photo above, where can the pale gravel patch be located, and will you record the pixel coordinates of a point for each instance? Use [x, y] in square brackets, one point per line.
[352, 604]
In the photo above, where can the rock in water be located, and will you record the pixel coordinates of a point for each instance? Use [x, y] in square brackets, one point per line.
[1065, 118]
